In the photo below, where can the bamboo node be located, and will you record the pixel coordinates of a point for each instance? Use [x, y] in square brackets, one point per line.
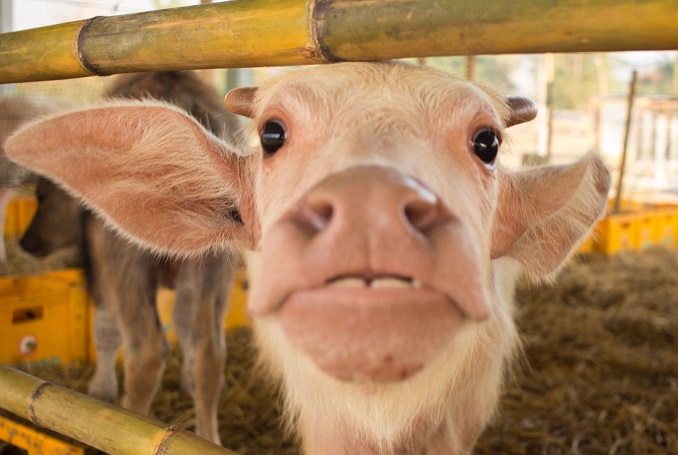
[311, 53]
[30, 410]
[80, 47]
[169, 433]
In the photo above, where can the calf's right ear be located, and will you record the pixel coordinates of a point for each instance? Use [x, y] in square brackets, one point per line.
[153, 172]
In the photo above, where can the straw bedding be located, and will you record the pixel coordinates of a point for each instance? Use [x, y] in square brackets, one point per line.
[21, 263]
[599, 373]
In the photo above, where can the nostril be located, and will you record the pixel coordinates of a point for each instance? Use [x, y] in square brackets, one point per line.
[313, 216]
[422, 214]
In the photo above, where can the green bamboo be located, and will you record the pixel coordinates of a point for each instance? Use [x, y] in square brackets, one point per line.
[235, 34]
[249, 33]
[407, 28]
[40, 54]
[100, 425]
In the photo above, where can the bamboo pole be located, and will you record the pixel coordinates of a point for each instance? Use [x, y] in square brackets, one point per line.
[250, 33]
[100, 425]
[230, 34]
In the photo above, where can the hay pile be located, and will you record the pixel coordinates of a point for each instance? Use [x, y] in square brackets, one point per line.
[20, 263]
[600, 373]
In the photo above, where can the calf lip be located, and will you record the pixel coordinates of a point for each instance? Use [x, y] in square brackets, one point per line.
[368, 334]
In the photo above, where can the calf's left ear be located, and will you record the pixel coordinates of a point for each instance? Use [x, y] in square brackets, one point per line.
[153, 172]
[544, 212]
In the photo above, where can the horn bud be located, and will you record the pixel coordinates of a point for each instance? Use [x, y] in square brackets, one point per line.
[241, 101]
[522, 110]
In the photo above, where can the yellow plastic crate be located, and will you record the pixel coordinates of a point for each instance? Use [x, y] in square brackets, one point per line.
[20, 211]
[44, 318]
[619, 232]
[33, 441]
[665, 229]
[587, 246]
[237, 310]
[647, 230]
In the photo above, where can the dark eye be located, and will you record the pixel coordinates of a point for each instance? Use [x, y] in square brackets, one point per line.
[272, 136]
[486, 145]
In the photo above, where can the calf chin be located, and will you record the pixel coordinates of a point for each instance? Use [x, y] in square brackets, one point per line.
[370, 334]
[442, 408]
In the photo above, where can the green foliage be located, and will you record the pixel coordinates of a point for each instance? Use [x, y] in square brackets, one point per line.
[491, 70]
[578, 77]
[576, 81]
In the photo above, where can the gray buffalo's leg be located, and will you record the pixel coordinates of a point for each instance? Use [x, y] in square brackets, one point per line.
[107, 339]
[202, 296]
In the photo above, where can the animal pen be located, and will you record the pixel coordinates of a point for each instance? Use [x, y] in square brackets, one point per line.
[254, 33]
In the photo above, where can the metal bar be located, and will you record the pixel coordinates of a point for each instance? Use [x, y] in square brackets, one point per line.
[250, 33]
[97, 424]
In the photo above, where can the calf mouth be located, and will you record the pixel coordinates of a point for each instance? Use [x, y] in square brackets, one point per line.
[376, 328]
[378, 282]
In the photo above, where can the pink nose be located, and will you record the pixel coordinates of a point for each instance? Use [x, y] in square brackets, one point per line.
[372, 233]
[379, 204]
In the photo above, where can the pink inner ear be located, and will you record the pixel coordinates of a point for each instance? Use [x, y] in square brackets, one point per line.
[543, 212]
[509, 223]
[153, 171]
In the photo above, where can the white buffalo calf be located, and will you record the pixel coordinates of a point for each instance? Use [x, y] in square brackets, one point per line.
[387, 231]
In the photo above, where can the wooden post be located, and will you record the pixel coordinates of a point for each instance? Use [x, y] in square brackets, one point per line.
[470, 67]
[627, 129]
[550, 80]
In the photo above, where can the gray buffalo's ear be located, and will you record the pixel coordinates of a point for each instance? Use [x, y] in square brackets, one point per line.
[241, 101]
[152, 171]
[521, 110]
[544, 212]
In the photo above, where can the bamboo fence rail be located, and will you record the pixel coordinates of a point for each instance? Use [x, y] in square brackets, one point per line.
[100, 425]
[250, 33]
